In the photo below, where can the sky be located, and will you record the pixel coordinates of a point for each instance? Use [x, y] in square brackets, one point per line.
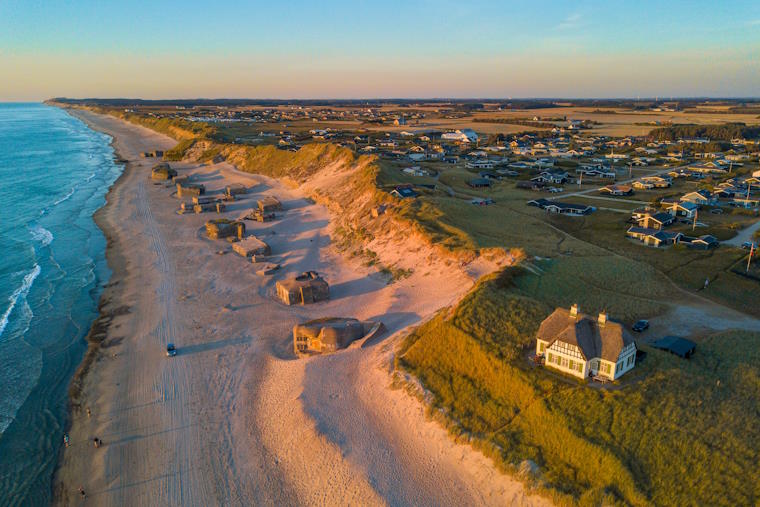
[378, 49]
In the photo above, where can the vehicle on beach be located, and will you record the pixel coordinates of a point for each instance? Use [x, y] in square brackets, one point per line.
[171, 350]
[640, 326]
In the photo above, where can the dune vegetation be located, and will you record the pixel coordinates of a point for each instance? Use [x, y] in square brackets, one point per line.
[675, 432]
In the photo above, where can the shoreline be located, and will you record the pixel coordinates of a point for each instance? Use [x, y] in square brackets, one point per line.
[106, 311]
[234, 418]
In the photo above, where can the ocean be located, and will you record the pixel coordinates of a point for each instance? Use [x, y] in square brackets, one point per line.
[54, 174]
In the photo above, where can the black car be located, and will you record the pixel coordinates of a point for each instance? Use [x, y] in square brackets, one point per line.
[171, 350]
[640, 326]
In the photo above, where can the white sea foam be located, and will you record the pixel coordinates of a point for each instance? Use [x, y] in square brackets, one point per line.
[21, 291]
[65, 197]
[41, 235]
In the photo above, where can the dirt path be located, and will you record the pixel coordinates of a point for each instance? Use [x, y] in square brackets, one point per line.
[744, 235]
[234, 419]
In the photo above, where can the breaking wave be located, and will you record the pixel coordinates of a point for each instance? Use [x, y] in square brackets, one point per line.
[41, 235]
[65, 197]
[20, 292]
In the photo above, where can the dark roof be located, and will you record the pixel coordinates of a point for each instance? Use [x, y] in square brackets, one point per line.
[676, 345]
[662, 217]
[643, 230]
[479, 182]
[405, 191]
[594, 340]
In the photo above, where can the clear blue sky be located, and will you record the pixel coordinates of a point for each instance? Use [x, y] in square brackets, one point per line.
[379, 49]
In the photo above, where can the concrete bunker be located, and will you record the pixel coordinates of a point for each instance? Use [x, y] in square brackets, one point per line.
[162, 171]
[252, 246]
[305, 288]
[269, 204]
[327, 335]
[224, 228]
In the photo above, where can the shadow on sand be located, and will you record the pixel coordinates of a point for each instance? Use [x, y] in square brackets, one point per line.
[209, 346]
[356, 287]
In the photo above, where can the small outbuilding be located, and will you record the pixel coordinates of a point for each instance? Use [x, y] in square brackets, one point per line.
[305, 288]
[225, 228]
[676, 345]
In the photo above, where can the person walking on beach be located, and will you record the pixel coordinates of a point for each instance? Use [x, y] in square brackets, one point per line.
[88, 412]
[66, 439]
[81, 492]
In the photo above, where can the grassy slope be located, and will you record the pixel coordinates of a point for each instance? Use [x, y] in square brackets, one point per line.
[677, 433]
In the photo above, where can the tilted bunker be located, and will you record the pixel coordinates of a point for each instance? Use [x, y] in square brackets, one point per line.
[306, 288]
[330, 334]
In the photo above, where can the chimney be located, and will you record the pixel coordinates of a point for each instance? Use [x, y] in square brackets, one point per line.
[602, 319]
[574, 311]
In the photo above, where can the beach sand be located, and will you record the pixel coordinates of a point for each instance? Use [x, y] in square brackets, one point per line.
[235, 418]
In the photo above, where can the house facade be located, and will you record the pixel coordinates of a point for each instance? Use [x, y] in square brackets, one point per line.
[579, 345]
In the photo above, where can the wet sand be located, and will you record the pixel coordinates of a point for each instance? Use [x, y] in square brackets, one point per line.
[235, 418]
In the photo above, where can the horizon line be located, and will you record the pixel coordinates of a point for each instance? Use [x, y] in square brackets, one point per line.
[370, 99]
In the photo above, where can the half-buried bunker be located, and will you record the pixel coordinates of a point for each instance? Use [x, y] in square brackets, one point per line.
[330, 334]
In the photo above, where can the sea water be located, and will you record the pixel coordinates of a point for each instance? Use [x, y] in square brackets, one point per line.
[54, 174]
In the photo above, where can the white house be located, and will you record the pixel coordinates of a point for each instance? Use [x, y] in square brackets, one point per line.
[579, 345]
[479, 164]
[463, 135]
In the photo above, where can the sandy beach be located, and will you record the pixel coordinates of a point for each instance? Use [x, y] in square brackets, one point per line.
[235, 418]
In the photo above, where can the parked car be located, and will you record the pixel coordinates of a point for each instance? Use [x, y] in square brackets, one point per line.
[555, 190]
[716, 211]
[641, 326]
[171, 350]
[748, 245]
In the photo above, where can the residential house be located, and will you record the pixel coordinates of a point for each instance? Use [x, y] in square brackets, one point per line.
[616, 190]
[479, 164]
[745, 202]
[582, 346]
[657, 181]
[562, 208]
[653, 237]
[403, 192]
[462, 136]
[705, 242]
[709, 168]
[656, 221]
[682, 209]
[551, 177]
[597, 171]
[700, 197]
[479, 183]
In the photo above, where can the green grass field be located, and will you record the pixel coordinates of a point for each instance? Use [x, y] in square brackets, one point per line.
[675, 432]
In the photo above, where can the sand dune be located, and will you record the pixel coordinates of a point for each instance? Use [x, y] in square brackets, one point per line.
[235, 419]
